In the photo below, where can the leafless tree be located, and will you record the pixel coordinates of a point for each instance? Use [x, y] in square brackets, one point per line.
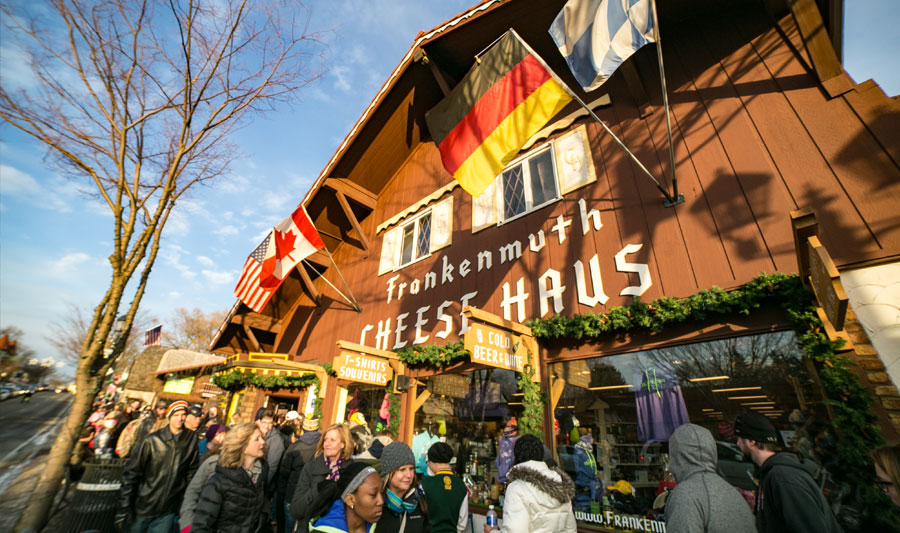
[137, 99]
[192, 329]
[68, 333]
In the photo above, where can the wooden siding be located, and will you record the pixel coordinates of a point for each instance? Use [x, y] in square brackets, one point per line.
[755, 137]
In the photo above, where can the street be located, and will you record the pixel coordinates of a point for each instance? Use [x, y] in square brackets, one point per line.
[27, 430]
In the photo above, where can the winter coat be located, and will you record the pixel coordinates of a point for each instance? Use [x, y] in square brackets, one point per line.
[231, 501]
[789, 499]
[306, 490]
[538, 500]
[274, 451]
[416, 521]
[702, 501]
[289, 471]
[194, 488]
[308, 442]
[585, 465]
[335, 520]
[156, 476]
[505, 458]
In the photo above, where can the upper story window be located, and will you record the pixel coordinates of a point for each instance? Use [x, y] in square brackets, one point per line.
[425, 227]
[536, 179]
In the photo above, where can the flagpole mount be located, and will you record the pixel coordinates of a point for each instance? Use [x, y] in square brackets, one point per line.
[672, 201]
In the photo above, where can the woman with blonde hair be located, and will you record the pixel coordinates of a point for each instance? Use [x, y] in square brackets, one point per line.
[403, 510]
[333, 450]
[234, 497]
[887, 471]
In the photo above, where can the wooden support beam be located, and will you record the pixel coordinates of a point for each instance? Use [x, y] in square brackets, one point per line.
[353, 191]
[818, 45]
[348, 212]
[307, 282]
[420, 400]
[494, 320]
[557, 386]
[353, 347]
[258, 321]
[252, 338]
[420, 55]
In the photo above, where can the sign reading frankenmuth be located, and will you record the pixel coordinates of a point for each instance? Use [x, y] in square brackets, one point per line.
[363, 368]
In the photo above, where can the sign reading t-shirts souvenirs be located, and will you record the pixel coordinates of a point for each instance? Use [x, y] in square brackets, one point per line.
[362, 368]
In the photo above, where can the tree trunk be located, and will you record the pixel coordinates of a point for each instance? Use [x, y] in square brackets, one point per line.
[37, 513]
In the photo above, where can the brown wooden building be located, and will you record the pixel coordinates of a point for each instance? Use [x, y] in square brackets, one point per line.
[765, 121]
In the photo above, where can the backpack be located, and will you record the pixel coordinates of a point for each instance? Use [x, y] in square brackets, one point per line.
[127, 438]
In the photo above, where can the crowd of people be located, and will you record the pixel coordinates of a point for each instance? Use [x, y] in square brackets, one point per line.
[187, 471]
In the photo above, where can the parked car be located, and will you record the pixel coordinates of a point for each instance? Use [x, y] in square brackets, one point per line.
[6, 392]
[733, 467]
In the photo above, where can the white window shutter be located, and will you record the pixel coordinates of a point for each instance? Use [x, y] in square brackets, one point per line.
[484, 208]
[574, 161]
[442, 224]
[388, 250]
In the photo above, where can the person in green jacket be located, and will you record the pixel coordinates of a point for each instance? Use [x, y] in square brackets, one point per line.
[445, 494]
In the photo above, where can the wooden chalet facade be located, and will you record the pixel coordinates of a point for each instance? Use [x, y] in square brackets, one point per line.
[765, 122]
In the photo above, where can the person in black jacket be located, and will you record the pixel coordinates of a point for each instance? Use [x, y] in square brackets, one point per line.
[155, 477]
[332, 452]
[788, 498]
[234, 498]
[402, 512]
[288, 474]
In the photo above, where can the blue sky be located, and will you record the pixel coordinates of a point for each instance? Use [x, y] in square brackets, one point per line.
[54, 240]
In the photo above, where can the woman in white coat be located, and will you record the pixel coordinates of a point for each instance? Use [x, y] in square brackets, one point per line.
[538, 498]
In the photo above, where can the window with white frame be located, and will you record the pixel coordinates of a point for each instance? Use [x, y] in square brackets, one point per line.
[536, 179]
[416, 236]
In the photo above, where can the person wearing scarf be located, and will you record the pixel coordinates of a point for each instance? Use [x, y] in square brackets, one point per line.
[403, 510]
[332, 451]
[352, 504]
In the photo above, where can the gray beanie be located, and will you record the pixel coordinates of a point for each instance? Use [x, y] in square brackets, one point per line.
[394, 456]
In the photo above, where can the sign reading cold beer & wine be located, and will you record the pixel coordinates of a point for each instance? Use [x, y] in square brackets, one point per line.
[495, 347]
[362, 368]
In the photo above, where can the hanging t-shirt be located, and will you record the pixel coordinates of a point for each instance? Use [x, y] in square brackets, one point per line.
[660, 405]
[420, 445]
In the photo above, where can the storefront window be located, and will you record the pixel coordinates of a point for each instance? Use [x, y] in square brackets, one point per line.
[622, 409]
[468, 411]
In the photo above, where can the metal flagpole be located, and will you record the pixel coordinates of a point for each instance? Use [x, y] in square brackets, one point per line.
[675, 198]
[351, 299]
[669, 200]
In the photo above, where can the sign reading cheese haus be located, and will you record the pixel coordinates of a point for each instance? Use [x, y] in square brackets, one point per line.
[362, 368]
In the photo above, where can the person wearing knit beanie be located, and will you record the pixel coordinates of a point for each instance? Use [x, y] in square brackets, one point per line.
[402, 507]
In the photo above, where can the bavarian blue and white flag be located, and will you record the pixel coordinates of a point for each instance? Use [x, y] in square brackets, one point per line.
[596, 36]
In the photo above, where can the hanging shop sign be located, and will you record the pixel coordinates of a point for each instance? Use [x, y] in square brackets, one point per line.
[500, 343]
[453, 385]
[575, 373]
[180, 385]
[826, 283]
[363, 368]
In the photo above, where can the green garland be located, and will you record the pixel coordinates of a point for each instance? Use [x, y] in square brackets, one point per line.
[433, 355]
[393, 407]
[237, 380]
[849, 401]
[530, 422]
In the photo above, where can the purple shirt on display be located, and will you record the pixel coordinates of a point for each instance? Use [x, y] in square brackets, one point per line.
[660, 406]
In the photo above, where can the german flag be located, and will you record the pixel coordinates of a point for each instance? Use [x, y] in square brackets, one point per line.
[503, 100]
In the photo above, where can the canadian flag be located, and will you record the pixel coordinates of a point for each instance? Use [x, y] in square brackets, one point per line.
[286, 245]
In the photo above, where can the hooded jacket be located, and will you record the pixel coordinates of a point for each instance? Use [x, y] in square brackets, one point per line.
[702, 500]
[538, 500]
[155, 478]
[306, 490]
[789, 499]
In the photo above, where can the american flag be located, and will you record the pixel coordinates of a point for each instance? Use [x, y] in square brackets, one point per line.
[248, 289]
[153, 336]
[286, 245]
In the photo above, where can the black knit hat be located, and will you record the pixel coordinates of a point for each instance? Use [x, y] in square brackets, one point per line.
[528, 448]
[754, 426]
[440, 452]
[394, 456]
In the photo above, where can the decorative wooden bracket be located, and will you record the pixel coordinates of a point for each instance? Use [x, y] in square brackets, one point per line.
[557, 386]
[420, 400]
[252, 338]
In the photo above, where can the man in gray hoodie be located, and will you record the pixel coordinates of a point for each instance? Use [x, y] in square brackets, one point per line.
[702, 501]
